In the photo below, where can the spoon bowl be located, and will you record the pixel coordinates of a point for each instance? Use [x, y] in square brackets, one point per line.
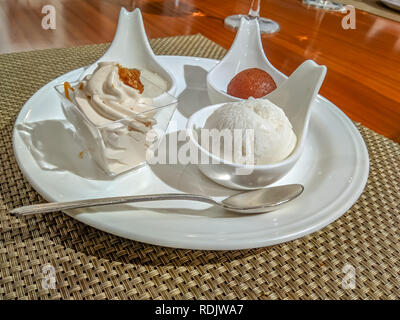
[262, 200]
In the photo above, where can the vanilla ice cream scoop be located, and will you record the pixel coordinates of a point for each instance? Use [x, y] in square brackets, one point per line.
[274, 139]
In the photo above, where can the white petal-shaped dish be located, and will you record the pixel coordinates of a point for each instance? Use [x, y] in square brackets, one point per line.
[295, 96]
[131, 48]
[246, 52]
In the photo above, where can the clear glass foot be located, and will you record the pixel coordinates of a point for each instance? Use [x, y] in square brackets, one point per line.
[266, 25]
[324, 4]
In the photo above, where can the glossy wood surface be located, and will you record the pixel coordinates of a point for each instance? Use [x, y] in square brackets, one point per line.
[363, 76]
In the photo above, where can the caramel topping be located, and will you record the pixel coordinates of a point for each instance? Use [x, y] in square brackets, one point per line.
[131, 77]
[81, 86]
[147, 123]
[67, 86]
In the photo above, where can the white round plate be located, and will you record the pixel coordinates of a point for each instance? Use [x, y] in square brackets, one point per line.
[333, 169]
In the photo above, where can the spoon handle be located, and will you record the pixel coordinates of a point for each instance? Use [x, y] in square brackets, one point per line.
[57, 206]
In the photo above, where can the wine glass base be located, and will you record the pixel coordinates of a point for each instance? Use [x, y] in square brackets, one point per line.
[325, 4]
[266, 25]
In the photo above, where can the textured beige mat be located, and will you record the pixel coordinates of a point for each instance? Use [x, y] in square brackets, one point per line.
[373, 6]
[90, 264]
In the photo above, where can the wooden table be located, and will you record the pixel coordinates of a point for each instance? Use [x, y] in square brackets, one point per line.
[363, 76]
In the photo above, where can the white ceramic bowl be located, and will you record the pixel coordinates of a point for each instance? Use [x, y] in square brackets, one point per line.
[294, 96]
[246, 52]
[233, 175]
[131, 48]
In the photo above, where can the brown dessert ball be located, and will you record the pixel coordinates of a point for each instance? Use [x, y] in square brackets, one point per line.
[251, 82]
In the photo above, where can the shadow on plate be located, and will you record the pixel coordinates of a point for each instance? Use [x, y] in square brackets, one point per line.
[195, 96]
[55, 147]
[184, 177]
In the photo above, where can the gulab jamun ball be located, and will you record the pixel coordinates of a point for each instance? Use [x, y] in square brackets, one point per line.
[251, 82]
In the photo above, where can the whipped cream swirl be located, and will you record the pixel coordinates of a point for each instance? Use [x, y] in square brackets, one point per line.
[104, 98]
[121, 118]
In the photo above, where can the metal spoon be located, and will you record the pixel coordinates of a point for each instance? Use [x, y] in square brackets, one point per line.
[256, 201]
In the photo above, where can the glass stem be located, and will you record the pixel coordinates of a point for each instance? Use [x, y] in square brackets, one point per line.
[254, 11]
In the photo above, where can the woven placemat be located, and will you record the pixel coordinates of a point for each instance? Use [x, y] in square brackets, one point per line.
[90, 264]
